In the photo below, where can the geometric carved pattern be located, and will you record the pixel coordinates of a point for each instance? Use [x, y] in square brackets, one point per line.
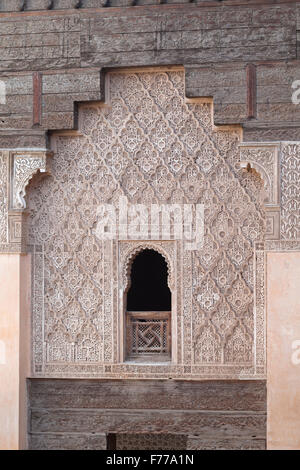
[16, 170]
[263, 158]
[290, 197]
[148, 333]
[152, 146]
[24, 166]
[282, 201]
[3, 195]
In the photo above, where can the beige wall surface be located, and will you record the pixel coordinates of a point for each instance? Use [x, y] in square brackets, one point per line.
[283, 319]
[14, 319]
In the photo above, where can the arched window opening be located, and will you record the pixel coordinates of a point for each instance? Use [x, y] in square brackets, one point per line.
[149, 283]
[148, 313]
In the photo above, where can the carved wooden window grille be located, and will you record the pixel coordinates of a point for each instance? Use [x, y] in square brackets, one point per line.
[148, 334]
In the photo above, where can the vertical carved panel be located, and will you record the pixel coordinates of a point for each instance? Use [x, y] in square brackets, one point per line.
[290, 199]
[3, 195]
[259, 311]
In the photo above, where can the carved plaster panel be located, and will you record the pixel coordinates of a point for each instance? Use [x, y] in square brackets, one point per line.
[4, 185]
[152, 146]
[263, 158]
[24, 165]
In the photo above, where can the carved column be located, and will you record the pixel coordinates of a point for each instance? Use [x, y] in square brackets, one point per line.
[17, 167]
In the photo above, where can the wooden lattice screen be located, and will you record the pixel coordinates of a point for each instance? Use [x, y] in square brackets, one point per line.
[148, 334]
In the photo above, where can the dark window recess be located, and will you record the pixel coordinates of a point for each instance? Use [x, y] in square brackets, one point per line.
[111, 441]
[149, 289]
[143, 441]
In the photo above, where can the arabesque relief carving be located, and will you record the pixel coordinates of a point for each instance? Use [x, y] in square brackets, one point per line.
[24, 167]
[263, 158]
[16, 170]
[4, 166]
[153, 146]
[290, 199]
[278, 164]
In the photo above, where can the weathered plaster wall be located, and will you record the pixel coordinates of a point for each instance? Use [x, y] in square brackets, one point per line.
[283, 366]
[14, 359]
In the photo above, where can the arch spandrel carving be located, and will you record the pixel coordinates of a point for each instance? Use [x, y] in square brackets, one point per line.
[17, 168]
[24, 165]
[264, 158]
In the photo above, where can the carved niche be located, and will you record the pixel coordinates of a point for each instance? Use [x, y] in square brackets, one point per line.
[153, 146]
[264, 159]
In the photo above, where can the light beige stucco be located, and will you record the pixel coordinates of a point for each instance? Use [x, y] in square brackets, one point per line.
[14, 337]
[283, 351]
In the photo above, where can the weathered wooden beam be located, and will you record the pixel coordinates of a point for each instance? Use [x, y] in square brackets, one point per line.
[37, 98]
[251, 91]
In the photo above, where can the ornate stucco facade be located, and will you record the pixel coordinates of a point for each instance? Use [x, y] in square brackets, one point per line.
[139, 103]
[152, 147]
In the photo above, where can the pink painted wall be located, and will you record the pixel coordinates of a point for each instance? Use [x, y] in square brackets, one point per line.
[283, 350]
[14, 349]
